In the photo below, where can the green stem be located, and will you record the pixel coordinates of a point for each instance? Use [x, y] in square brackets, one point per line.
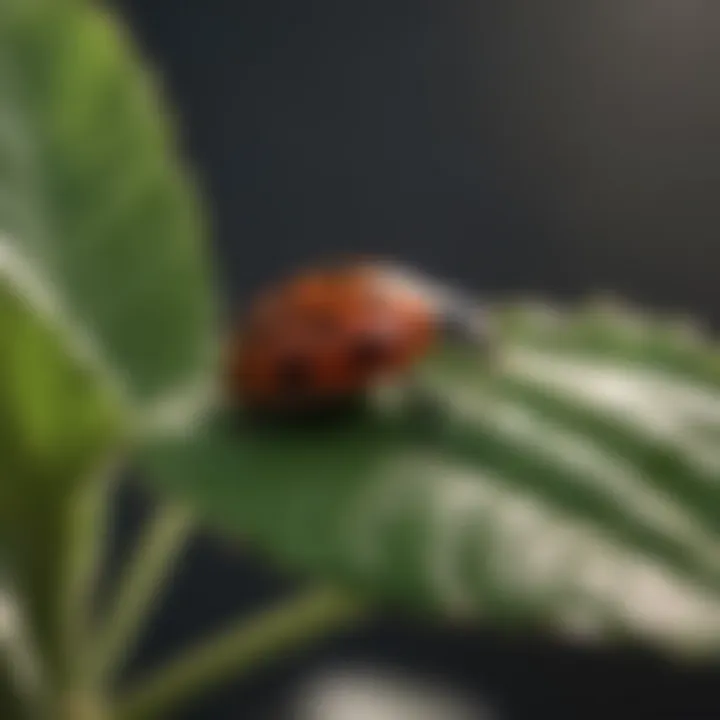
[87, 538]
[240, 647]
[154, 558]
[53, 542]
[40, 541]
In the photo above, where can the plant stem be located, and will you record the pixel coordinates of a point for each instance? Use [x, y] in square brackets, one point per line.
[52, 534]
[240, 647]
[41, 562]
[139, 587]
[88, 533]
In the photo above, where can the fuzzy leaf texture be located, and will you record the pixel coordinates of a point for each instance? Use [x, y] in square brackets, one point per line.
[571, 485]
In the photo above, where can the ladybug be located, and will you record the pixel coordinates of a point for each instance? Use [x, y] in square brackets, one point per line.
[322, 338]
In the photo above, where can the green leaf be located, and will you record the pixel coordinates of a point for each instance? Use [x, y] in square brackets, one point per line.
[94, 198]
[572, 486]
[106, 309]
[55, 411]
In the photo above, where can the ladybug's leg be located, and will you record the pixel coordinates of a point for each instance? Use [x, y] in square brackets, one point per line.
[311, 415]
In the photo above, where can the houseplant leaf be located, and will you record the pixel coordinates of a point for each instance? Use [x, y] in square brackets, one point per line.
[106, 309]
[571, 485]
[94, 197]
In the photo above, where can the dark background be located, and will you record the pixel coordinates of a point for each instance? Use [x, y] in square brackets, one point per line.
[544, 147]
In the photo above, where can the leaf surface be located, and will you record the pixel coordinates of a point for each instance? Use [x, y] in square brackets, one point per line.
[571, 486]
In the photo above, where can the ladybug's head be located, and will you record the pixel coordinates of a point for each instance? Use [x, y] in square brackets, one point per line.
[456, 314]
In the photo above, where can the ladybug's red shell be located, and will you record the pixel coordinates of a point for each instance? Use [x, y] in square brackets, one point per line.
[327, 335]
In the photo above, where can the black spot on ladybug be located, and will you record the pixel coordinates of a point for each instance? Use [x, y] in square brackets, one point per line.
[368, 352]
[294, 374]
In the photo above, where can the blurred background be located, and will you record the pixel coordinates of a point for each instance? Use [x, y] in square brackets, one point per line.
[551, 148]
